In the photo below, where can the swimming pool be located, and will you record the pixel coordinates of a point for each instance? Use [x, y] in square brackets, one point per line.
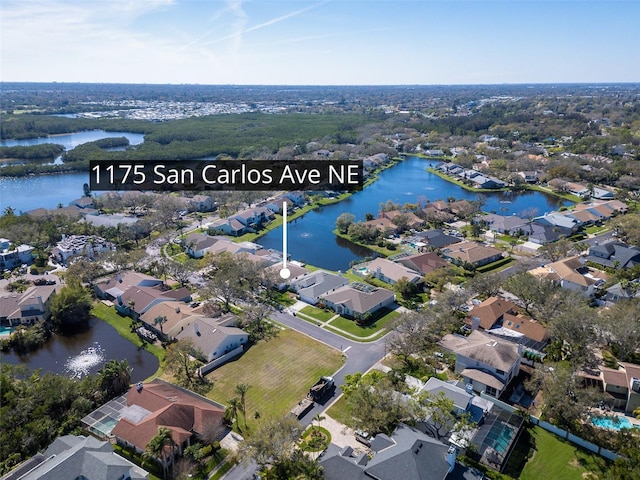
[613, 423]
[5, 331]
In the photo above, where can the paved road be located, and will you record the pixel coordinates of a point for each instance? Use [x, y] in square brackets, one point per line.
[360, 357]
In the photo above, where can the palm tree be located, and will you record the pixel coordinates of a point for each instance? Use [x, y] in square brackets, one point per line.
[241, 389]
[155, 448]
[318, 418]
[232, 411]
[160, 320]
[115, 377]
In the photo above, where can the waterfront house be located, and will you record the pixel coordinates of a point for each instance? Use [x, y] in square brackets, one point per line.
[422, 263]
[135, 301]
[27, 308]
[386, 271]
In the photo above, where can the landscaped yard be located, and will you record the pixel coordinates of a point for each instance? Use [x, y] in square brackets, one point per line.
[280, 372]
[555, 458]
[381, 319]
[317, 313]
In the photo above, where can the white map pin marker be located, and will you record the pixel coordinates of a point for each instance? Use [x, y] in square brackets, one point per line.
[284, 271]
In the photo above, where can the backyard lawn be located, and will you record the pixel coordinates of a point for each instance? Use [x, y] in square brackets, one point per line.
[279, 371]
[555, 458]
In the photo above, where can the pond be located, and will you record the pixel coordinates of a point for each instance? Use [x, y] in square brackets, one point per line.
[87, 352]
[310, 237]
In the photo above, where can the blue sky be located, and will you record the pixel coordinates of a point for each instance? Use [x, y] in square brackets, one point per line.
[320, 42]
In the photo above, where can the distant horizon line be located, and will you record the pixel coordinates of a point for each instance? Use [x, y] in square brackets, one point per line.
[54, 82]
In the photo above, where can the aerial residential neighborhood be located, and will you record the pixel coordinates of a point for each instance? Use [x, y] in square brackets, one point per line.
[319, 240]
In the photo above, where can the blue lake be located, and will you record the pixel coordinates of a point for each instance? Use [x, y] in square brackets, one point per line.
[28, 193]
[310, 238]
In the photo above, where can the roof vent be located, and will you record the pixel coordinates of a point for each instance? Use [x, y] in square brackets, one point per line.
[197, 329]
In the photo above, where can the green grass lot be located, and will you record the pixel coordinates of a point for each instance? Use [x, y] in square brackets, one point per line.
[317, 313]
[384, 251]
[593, 229]
[340, 411]
[279, 371]
[380, 320]
[556, 458]
[122, 324]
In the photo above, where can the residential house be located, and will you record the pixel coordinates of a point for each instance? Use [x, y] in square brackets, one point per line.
[384, 225]
[407, 454]
[297, 197]
[530, 176]
[213, 336]
[472, 253]
[201, 203]
[161, 404]
[358, 299]
[435, 239]
[172, 313]
[623, 386]
[556, 219]
[510, 225]
[11, 258]
[614, 255]
[26, 308]
[543, 234]
[253, 217]
[490, 312]
[296, 270]
[577, 189]
[495, 433]
[86, 245]
[135, 301]
[623, 291]
[77, 457]
[311, 286]
[422, 263]
[386, 271]
[228, 226]
[197, 244]
[413, 221]
[119, 283]
[484, 361]
[574, 274]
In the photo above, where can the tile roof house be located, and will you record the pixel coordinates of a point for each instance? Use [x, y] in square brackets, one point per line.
[77, 457]
[408, 454]
[358, 299]
[485, 361]
[29, 307]
[422, 263]
[574, 274]
[386, 271]
[473, 253]
[311, 286]
[614, 255]
[161, 404]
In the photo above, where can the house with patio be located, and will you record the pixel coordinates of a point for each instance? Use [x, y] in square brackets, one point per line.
[357, 299]
[228, 226]
[157, 404]
[486, 362]
[115, 286]
[622, 385]
[12, 256]
[135, 301]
